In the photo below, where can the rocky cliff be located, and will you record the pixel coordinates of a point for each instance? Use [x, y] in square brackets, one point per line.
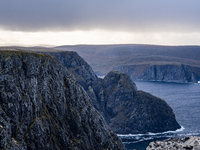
[143, 62]
[43, 107]
[125, 109]
[166, 72]
[128, 110]
[77, 66]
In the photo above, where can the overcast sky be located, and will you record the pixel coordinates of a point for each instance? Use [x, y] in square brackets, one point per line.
[63, 22]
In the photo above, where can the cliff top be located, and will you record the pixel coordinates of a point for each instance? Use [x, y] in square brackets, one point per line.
[33, 49]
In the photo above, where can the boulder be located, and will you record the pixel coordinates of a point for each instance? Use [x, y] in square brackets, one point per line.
[185, 143]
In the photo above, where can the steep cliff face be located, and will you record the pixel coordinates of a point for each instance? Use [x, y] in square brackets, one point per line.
[77, 66]
[130, 111]
[168, 72]
[125, 109]
[43, 107]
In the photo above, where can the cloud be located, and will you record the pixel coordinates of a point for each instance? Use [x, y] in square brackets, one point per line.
[126, 15]
[19, 38]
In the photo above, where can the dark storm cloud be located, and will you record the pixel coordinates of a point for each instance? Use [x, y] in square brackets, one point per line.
[128, 15]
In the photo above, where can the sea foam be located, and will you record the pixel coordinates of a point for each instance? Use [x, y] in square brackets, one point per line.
[136, 138]
[151, 134]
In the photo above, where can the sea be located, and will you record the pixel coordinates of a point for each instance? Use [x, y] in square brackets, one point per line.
[183, 98]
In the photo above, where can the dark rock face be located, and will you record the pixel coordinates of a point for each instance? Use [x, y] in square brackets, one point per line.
[168, 73]
[77, 66]
[43, 107]
[149, 114]
[118, 89]
[127, 110]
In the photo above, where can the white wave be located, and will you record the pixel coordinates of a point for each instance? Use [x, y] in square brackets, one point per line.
[178, 130]
[190, 134]
[101, 77]
[150, 133]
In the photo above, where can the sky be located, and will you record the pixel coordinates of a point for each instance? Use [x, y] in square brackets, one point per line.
[71, 22]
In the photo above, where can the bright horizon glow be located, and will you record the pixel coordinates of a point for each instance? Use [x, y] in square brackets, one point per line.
[96, 37]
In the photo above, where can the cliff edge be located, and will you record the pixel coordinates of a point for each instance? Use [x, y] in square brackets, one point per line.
[43, 107]
[77, 66]
[125, 109]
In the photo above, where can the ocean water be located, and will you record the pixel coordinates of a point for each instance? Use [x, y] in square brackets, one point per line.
[184, 99]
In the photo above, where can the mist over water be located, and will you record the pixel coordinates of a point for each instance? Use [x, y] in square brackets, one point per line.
[184, 99]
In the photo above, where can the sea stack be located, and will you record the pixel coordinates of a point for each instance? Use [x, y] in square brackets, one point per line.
[128, 110]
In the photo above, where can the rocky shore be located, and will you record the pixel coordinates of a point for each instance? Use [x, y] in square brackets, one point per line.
[186, 143]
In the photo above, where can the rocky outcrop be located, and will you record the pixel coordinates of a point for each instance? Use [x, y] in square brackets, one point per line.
[43, 107]
[167, 72]
[127, 110]
[186, 143]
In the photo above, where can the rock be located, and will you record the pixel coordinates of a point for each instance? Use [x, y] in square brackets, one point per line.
[127, 110]
[118, 89]
[77, 66]
[43, 107]
[186, 143]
